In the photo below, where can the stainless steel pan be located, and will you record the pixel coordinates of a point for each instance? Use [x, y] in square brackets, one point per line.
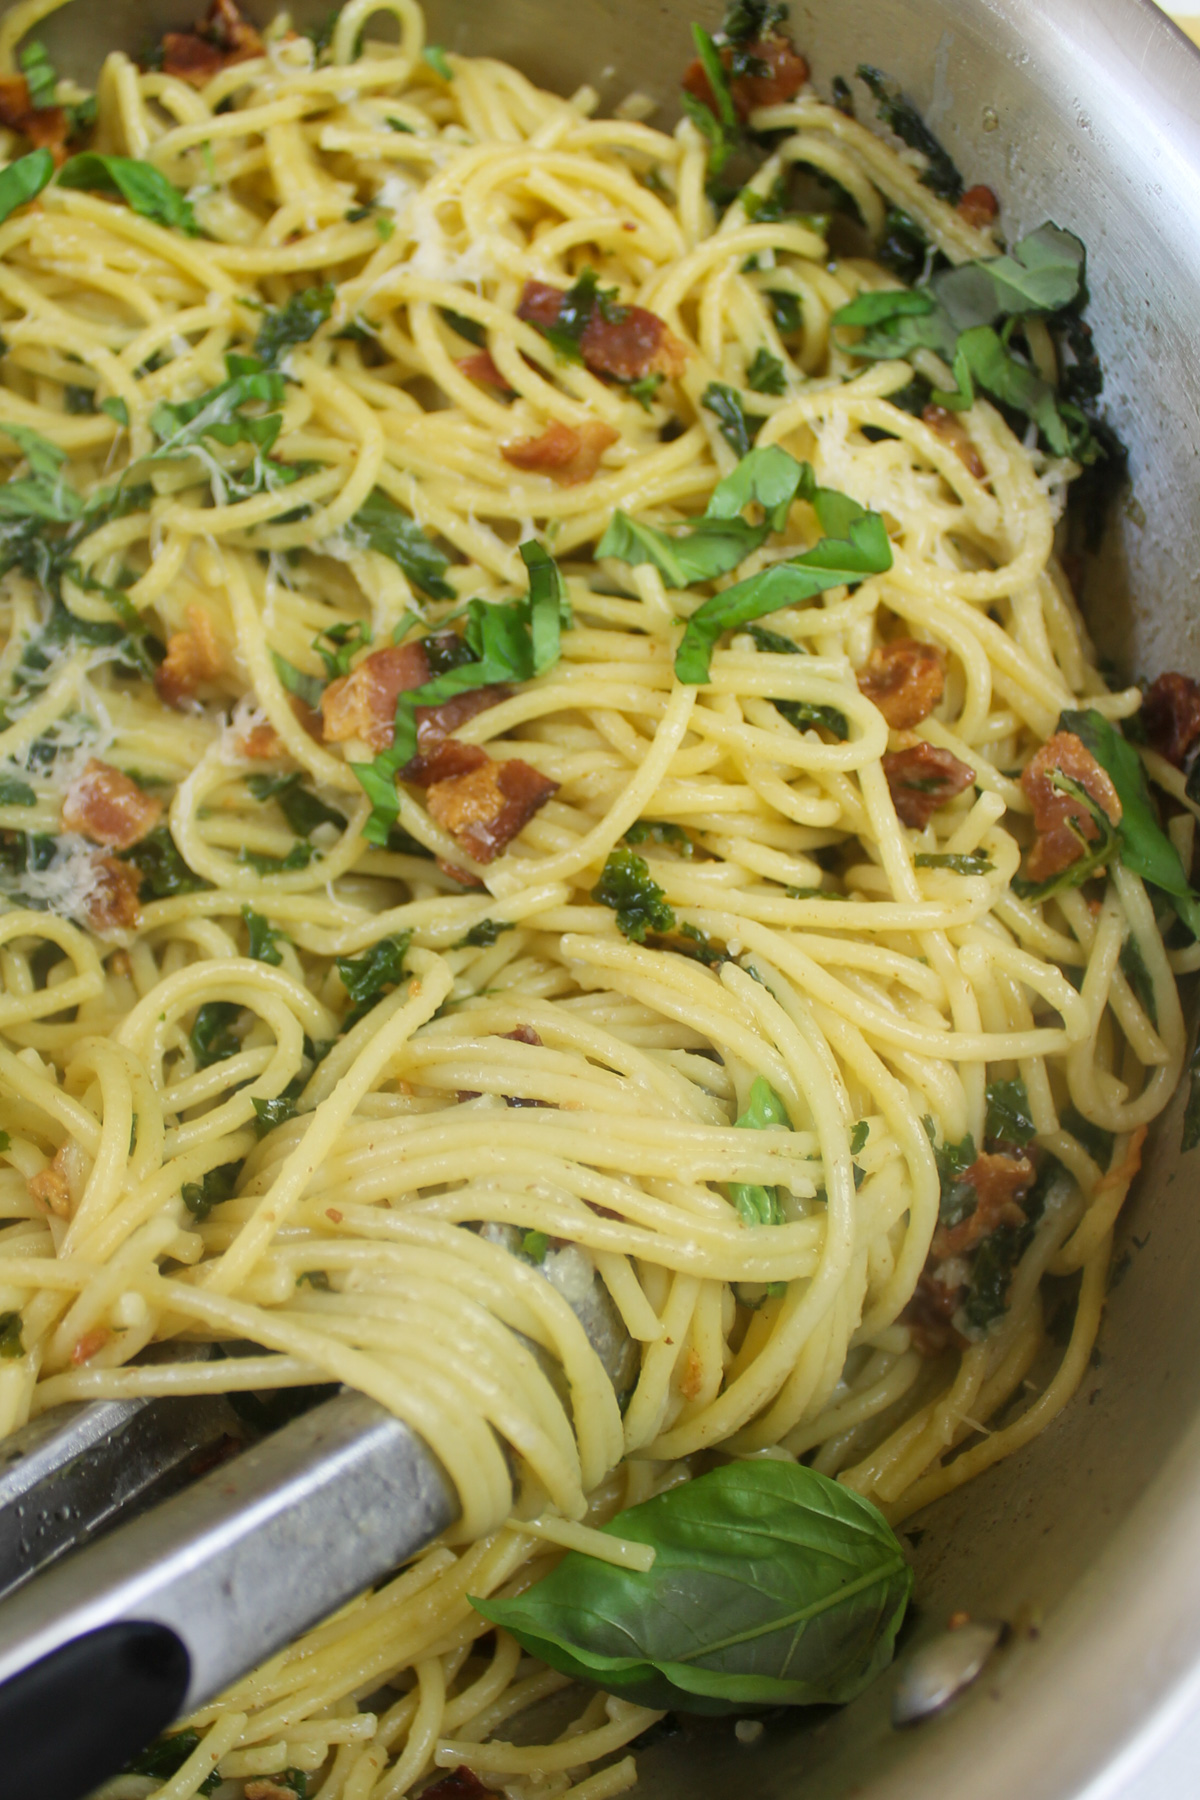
[1089, 1541]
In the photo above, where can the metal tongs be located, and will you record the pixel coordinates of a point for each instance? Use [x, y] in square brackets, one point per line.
[112, 1625]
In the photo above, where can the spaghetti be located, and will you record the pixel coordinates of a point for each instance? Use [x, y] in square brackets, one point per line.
[347, 1090]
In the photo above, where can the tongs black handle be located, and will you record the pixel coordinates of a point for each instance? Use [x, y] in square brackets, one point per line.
[104, 1649]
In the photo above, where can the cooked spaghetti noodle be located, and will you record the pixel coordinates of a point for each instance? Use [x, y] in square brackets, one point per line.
[533, 1092]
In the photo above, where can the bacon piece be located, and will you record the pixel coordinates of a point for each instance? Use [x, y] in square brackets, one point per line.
[219, 41]
[461, 1784]
[462, 876]
[89, 1345]
[524, 1034]
[921, 779]
[481, 368]
[49, 1186]
[363, 703]
[1171, 715]
[950, 428]
[628, 344]
[999, 1181]
[46, 127]
[110, 808]
[1063, 823]
[487, 806]
[569, 454]
[787, 74]
[904, 680]
[928, 1315]
[444, 760]
[979, 207]
[193, 656]
[261, 743]
[113, 903]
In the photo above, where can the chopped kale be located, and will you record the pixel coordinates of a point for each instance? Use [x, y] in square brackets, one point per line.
[1133, 967]
[268, 1114]
[858, 1137]
[629, 889]
[11, 1345]
[163, 870]
[298, 857]
[264, 937]
[212, 1037]
[725, 403]
[302, 809]
[15, 792]
[367, 978]
[901, 116]
[660, 831]
[215, 1186]
[483, 935]
[1009, 1120]
[470, 329]
[765, 374]
[286, 326]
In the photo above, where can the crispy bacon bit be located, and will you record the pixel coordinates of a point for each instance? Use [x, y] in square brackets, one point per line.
[1062, 821]
[112, 904]
[192, 656]
[487, 806]
[787, 74]
[89, 1345]
[462, 1784]
[950, 428]
[220, 40]
[979, 207]
[629, 343]
[999, 1182]
[363, 703]
[462, 876]
[444, 760]
[904, 680]
[480, 367]
[261, 743]
[524, 1034]
[569, 454]
[1171, 715]
[49, 1187]
[921, 779]
[928, 1315]
[46, 127]
[109, 808]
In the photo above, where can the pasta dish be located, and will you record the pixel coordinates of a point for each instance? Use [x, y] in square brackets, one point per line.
[547, 749]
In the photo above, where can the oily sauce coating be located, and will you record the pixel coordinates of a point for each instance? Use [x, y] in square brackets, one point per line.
[1062, 821]
[904, 680]
[921, 779]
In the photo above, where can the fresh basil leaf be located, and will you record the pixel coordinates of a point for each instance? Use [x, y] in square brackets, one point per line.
[308, 688]
[1009, 1119]
[718, 80]
[770, 478]
[24, 180]
[709, 548]
[732, 422]
[771, 1585]
[382, 526]
[759, 1205]
[45, 493]
[722, 142]
[15, 792]
[264, 938]
[367, 978]
[832, 562]
[484, 935]
[117, 410]
[212, 1038]
[644, 389]
[628, 887]
[765, 374]
[980, 356]
[547, 603]
[882, 304]
[142, 186]
[39, 73]
[786, 311]
[534, 1245]
[348, 639]
[959, 865]
[268, 1114]
[286, 326]
[900, 115]
[1044, 274]
[435, 56]
[1144, 847]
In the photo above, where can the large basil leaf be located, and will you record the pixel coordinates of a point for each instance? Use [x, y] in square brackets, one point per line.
[24, 180]
[1144, 847]
[771, 1585]
[142, 186]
